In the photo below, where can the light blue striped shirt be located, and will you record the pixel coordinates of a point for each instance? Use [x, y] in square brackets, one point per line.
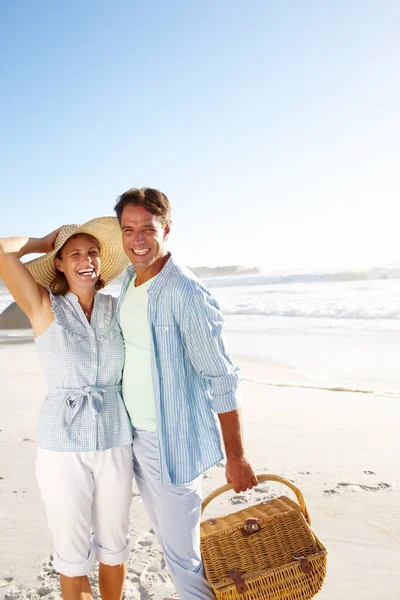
[193, 375]
[83, 410]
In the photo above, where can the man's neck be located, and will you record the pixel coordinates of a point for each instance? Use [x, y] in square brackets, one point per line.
[143, 275]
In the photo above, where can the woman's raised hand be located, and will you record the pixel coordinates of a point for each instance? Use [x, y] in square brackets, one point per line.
[49, 239]
[32, 298]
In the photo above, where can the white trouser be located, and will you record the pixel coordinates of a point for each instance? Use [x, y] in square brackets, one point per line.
[175, 512]
[85, 491]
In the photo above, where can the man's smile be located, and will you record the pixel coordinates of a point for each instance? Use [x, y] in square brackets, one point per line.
[140, 252]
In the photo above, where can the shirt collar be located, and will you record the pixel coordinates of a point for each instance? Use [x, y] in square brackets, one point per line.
[163, 276]
[72, 297]
[75, 300]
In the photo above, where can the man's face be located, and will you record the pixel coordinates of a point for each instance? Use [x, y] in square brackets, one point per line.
[143, 236]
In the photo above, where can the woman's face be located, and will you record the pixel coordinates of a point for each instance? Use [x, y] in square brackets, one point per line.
[80, 262]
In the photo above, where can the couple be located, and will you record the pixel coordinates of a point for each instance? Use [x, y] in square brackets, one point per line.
[178, 381]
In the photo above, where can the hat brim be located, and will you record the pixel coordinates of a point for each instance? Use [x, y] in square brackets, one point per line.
[112, 256]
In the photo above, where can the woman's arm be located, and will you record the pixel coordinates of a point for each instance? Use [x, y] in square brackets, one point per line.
[29, 295]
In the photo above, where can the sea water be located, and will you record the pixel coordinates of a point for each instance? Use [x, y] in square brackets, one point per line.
[338, 328]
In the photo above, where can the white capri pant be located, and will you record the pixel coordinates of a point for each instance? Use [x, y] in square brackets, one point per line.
[85, 492]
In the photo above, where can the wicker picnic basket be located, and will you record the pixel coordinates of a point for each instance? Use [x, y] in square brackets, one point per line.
[266, 551]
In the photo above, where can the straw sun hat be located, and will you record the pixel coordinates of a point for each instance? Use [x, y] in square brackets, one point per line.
[108, 233]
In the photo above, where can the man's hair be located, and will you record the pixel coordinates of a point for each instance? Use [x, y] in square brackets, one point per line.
[153, 200]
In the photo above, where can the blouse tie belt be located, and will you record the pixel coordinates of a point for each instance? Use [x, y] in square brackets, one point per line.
[76, 397]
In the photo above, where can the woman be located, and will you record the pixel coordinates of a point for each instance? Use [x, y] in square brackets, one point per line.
[84, 435]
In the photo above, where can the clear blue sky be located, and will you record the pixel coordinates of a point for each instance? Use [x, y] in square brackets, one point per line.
[273, 126]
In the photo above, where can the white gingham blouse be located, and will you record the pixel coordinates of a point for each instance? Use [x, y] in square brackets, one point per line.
[83, 410]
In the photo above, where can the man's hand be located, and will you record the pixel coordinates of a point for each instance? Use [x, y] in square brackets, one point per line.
[240, 474]
[239, 471]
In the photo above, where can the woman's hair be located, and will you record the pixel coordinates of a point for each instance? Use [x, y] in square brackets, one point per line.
[59, 286]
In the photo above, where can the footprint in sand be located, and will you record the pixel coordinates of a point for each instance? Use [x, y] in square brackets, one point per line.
[44, 591]
[367, 488]
[369, 473]
[305, 473]
[268, 497]
[145, 543]
[6, 581]
[156, 569]
[12, 594]
[238, 500]
[144, 594]
[330, 492]
[261, 489]
[48, 570]
[28, 440]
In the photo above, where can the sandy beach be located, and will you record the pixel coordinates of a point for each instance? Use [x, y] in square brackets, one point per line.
[340, 448]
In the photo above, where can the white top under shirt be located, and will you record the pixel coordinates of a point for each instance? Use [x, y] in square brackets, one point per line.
[137, 384]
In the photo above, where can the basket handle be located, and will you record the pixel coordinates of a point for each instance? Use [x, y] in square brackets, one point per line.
[261, 478]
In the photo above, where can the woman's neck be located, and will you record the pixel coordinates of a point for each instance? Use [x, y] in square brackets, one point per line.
[85, 298]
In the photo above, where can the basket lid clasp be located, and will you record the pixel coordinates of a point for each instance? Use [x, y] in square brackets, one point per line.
[305, 564]
[237, 578]
[251, 526]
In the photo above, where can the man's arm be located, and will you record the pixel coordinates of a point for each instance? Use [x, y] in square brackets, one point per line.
[239, 471]
[203, 337]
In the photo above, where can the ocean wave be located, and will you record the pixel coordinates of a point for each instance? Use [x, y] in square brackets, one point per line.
[348, 300]
[315, 312]
[328, 388]
[14, 336]
[375, 274]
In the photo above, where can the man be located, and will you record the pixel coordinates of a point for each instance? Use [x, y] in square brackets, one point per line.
[178, 381]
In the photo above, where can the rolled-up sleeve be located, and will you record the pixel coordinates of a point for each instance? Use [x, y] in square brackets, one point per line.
[204, 340]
